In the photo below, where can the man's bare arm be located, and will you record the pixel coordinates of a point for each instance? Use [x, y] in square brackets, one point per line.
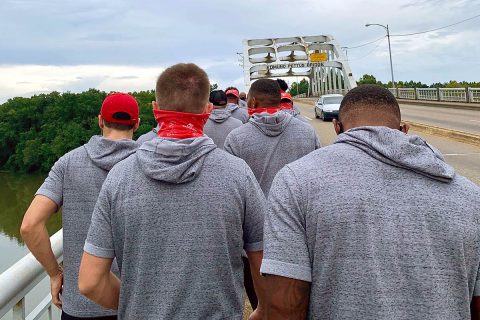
[255, 261]
[286, 298]
[97, 282]
[475, 308]
[34, 233]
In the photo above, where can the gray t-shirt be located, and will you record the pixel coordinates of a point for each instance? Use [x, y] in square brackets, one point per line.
[268, 142]
[219, 125]
[177, 216]
[74, 182]
[380, 225]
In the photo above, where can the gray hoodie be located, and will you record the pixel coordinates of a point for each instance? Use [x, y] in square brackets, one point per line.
[219, 125]
[177, 216]
[268, 142]
[148, 136]
[380, 225]
[74, 182]
[295, 112]
[238, 113]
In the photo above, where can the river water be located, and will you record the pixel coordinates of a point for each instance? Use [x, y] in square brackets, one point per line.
[16, 193]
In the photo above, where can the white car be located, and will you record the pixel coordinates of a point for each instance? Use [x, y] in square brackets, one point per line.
[327, 106]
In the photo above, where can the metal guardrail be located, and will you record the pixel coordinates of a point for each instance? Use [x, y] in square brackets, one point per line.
[471, 95]
[17, 281]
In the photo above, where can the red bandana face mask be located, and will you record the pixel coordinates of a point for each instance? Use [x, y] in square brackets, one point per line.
[286, 106]
[180, 125]
[252, 111]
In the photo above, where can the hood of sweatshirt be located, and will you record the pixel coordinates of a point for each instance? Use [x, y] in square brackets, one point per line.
[106, 153]
[271, 125]
[174, 160]
[398, 149]
[220, 115]
[232, 107]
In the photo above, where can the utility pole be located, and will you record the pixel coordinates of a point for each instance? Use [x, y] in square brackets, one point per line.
[346, 51]
[389, 47]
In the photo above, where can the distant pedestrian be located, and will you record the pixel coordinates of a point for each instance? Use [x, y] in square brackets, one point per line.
[271, 138]
[176, 215]
[220, 122]
[73, 184]
[284, 88]
[233, 105]
[243, 100]
[375, 226]
[286, 105]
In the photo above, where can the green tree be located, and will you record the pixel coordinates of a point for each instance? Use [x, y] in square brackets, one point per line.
[299, 88]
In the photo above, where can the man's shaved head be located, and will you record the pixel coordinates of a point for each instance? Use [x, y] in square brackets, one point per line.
[264, 93]
[369, 105]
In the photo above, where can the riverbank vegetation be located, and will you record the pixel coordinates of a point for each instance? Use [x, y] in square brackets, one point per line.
[36, 131]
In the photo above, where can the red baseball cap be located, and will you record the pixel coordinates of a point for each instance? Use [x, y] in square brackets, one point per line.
[286, 96]
[233, 92]
[120, 102]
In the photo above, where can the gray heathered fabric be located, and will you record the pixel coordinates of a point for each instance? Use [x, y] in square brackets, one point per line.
[177, 216]
[268, 142]
[242, 104]
[238, 113]
[219, 126]
[381, 226]
[74, 182]
[148, 136]
[296, 114]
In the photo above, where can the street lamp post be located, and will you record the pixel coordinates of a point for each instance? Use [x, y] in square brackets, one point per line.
[389, 47]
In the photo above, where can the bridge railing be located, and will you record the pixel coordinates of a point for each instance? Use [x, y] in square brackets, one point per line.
[471, 95]
[17, 281]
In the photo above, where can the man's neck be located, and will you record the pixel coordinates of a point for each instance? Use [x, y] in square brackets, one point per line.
[117, 134]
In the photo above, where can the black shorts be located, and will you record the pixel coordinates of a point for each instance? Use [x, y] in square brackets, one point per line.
[69, 317]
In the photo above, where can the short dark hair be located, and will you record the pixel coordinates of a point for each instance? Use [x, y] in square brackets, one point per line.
[183, 87]
[266, 92]
[283, 85]
[369, 100]
[119, 126]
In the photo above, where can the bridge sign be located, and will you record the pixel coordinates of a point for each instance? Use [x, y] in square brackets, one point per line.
[318, 57]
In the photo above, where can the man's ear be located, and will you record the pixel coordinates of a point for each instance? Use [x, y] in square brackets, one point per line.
[135, 127]
[405, 127]
[337, 126]
[208, 107]
[155, 105]
[100, 122]
[251, 103]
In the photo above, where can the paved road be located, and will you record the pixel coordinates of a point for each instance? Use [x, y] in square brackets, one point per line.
[457, 119]
[463, 157]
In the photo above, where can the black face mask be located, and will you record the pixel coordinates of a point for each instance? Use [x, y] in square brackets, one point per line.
[243, 99]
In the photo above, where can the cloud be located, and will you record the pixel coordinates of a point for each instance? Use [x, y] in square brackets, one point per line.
[150, 35]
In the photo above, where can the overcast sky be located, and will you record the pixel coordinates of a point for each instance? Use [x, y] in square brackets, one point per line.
[122, 45]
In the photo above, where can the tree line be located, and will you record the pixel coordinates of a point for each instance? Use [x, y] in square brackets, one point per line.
[302, 86]
[36, 131]
[370, 79]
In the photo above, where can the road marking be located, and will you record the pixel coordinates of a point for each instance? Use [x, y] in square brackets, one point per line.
[308, 118]
[461, 154]
[475, 120]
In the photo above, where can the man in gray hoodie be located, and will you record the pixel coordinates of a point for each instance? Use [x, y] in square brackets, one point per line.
[234, 105]
[375, 226]
[220, 122]
[74, 184]
[177, 215]
[271, 138]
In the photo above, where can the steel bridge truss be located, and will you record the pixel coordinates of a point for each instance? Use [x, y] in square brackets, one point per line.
[299, 57]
